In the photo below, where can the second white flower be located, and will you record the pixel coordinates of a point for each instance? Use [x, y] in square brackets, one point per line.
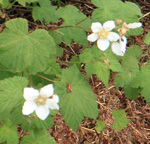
[103, 34]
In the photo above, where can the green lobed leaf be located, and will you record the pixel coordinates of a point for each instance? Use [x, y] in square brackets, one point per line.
[75, 60]
[77, 103]
[11, 93]
[111, 61]
[131, 92]
[4, 73]
[124, 79]
[115, 9]
[100, 63]
[53, 67]
[8, 133]
[100, 125]
[100, 70]
[40, 124]
[45, 11]
[147, 39]
[70, 29]
[142, 80]
[18, 118]
[5, 4]
[20, 51]
[23, 2]
[40, 137]
[120, 119]
[130, 61]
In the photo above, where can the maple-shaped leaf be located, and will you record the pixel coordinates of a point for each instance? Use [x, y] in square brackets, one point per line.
[115, 9]
[11, 93]
[23, 2]
[100, 63]
[130, 64]
[123, 79]
[142, 80]
[45, 11]
[38, 137]
[100, 70]
[21, 51]
[131, 92]
[8, 133]
[147, 39]
[120, 119]
[74, 26]
[130, 61]
[79, 100]
[100, 125]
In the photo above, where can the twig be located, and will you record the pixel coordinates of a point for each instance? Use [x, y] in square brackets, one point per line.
[146, 14]
[45, 78]
[92, 80]
[89, 130]
[81, 21]
[71, 49]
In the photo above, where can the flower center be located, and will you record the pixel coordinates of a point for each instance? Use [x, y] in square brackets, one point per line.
[103, 34]
[41, 100]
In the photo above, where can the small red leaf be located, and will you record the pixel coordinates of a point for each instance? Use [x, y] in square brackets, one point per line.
[69, 88]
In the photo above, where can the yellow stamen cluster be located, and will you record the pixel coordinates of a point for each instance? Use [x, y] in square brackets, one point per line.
[41, 100]
[103, 34]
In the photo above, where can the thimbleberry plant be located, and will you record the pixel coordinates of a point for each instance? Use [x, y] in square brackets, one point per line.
[33, 86]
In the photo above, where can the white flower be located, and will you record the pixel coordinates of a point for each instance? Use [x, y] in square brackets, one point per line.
[102, 34]
[126, 27]
[119, 48]
[40, 101]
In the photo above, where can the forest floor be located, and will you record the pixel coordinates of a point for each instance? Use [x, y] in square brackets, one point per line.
[138, 111]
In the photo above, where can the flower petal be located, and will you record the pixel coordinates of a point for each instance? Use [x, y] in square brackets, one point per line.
[134, 25]
[51, 103]
[116, 49]
[42, 112]
[56, 98]
[92, 37]
[30, 93]
[29, 107]
[113, 36]
[109, 25]
[103, 44]
[96, 27]
[123, 43]
[47, 90]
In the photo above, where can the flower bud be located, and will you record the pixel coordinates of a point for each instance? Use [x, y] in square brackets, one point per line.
[118, 21]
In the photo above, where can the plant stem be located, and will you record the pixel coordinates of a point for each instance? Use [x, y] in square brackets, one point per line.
[45, 78]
